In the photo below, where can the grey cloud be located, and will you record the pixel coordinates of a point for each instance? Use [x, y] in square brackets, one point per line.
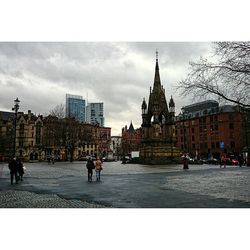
[40, 74]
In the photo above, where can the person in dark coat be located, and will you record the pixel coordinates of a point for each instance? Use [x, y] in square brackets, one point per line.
[13, 170]
[240, 159]
[185, 162]
[20, 169]
[90, 166]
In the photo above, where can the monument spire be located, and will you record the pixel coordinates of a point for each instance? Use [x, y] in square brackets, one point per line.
[157, 80]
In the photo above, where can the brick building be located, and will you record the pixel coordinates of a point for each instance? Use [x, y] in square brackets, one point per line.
[131, 139]
[206, 129]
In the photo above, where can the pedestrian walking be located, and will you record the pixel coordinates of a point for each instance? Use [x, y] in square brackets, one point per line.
[48, 159]
[222, 161]
[53, 159]
[20, 169]
[90, 166]
[13, 170]
[185, 162]
[240, 160]
[98, 169]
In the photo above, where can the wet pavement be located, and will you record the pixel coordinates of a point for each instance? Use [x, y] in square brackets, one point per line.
[64, 185]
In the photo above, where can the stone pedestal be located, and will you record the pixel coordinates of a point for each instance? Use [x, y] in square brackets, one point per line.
[159, 153]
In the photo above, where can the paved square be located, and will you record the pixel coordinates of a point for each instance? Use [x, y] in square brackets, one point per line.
[64, 185]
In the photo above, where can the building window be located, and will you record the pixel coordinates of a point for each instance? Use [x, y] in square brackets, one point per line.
[211, 119]
[232, 144]
[217, 144]
[192, 138]
[231, 126]
[192, 130]
[193, 146]
[21, 131]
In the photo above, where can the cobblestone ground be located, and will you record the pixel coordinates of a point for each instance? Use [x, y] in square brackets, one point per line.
[24, 199]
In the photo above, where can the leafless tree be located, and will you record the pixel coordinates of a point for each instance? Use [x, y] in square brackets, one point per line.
[58, 111]
[226, 74]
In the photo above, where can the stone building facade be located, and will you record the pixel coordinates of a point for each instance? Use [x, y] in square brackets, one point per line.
[28, 136]
[116, 147]
[38, 138]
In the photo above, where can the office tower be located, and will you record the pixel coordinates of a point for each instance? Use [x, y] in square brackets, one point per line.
[75, 107]
[94, 113]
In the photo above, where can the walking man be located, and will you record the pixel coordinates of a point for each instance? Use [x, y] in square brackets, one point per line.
[90, 166]
[13, 170]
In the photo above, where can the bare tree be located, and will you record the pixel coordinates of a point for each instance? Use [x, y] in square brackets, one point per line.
[226, 74]
[58, 111]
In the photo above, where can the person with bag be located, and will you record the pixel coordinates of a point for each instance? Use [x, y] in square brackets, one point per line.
[90, 166]
[13, 170]
[98, 169]
[20, 169]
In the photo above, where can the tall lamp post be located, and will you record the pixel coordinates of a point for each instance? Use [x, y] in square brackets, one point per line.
[247, 131]
[15, 108]
[184, 131]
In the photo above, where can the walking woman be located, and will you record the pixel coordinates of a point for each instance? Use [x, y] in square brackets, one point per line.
[20, 169]
[98, 169]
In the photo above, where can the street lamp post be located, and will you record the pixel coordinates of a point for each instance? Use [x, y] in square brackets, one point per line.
[247, 130]
[15, 108]
[184, 132]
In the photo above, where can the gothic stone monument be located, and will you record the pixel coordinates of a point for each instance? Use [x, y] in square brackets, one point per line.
[158, 126]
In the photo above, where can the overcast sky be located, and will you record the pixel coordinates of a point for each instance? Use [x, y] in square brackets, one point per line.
[117, 74]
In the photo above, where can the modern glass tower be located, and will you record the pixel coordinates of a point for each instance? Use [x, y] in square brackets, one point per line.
[94, 113]
[75, 107]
